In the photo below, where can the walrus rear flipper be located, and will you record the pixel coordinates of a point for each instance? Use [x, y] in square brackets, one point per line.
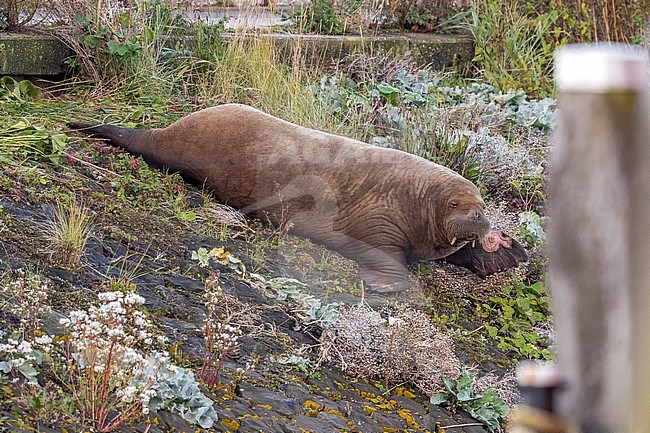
[118, 136]
[496, 252]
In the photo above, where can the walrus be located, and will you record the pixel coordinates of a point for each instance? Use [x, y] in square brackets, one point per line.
[383, 208]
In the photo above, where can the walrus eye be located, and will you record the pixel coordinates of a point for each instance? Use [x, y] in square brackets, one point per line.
[453, 204]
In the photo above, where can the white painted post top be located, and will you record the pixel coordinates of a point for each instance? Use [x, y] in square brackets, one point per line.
[601, 68]
[538, 375]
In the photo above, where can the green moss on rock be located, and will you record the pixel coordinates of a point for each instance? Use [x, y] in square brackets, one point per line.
[32, 55]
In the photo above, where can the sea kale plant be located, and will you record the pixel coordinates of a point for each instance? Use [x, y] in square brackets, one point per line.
[486, 407]
[177, 390]
[103, 361]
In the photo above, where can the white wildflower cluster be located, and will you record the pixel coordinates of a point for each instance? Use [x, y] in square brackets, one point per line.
[107, 361]
[116, 319]
[109, 336]
[18, 355]
[226, 335]
[213, 292]
[23, 350]
[27, 295]
[219, 336]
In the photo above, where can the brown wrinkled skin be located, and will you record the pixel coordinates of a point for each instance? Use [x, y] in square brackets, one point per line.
[380, 207]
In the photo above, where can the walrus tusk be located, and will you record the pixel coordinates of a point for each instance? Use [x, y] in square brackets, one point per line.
[453, 241]
[474, 243]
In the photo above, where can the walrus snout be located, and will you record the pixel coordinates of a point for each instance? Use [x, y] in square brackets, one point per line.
[475, 215]
[469, 226]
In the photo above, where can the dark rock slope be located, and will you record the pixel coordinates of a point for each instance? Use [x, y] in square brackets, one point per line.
[154, 252]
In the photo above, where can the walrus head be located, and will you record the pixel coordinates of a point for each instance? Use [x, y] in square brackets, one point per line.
[465, 220]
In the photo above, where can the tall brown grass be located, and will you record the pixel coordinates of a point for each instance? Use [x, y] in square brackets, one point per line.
[603, 20]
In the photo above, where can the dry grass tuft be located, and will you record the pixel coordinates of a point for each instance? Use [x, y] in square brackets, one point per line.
[404, 348]
[67, 231]
[380, 66]
[504, 386]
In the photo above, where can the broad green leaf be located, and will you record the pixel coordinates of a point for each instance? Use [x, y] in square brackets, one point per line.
[439, 398]
[464, 385]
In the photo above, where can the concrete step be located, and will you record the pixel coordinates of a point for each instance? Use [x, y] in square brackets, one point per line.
[23, 55]
[26, 55]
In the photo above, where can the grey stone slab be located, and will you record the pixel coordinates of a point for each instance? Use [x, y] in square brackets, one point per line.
[334, 420]
[32, 55]
[277, 401]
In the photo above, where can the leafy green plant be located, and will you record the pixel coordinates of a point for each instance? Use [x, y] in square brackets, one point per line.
[319, 17]
[516, 314]
[514, 105]
[17, 91]
[612, 20]
[420, 19]
[179, 209]
[531, 228]
[529, 191]
[487, 408]
[146, 187]
[131, 44]
[113, 40]
[514, 46]
[177, 390]
[296, 362]
[218, 255]
[308, 308]
[401, 113]
[22, 141]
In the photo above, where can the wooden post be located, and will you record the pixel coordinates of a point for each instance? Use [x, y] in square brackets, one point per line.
[599, 236]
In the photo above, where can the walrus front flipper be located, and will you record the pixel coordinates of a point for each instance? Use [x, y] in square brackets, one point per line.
[496, 252]
[380, 282]
[383, 271]
[118, 136]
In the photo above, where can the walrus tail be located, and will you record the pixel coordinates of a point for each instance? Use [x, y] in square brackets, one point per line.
[116, 135]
